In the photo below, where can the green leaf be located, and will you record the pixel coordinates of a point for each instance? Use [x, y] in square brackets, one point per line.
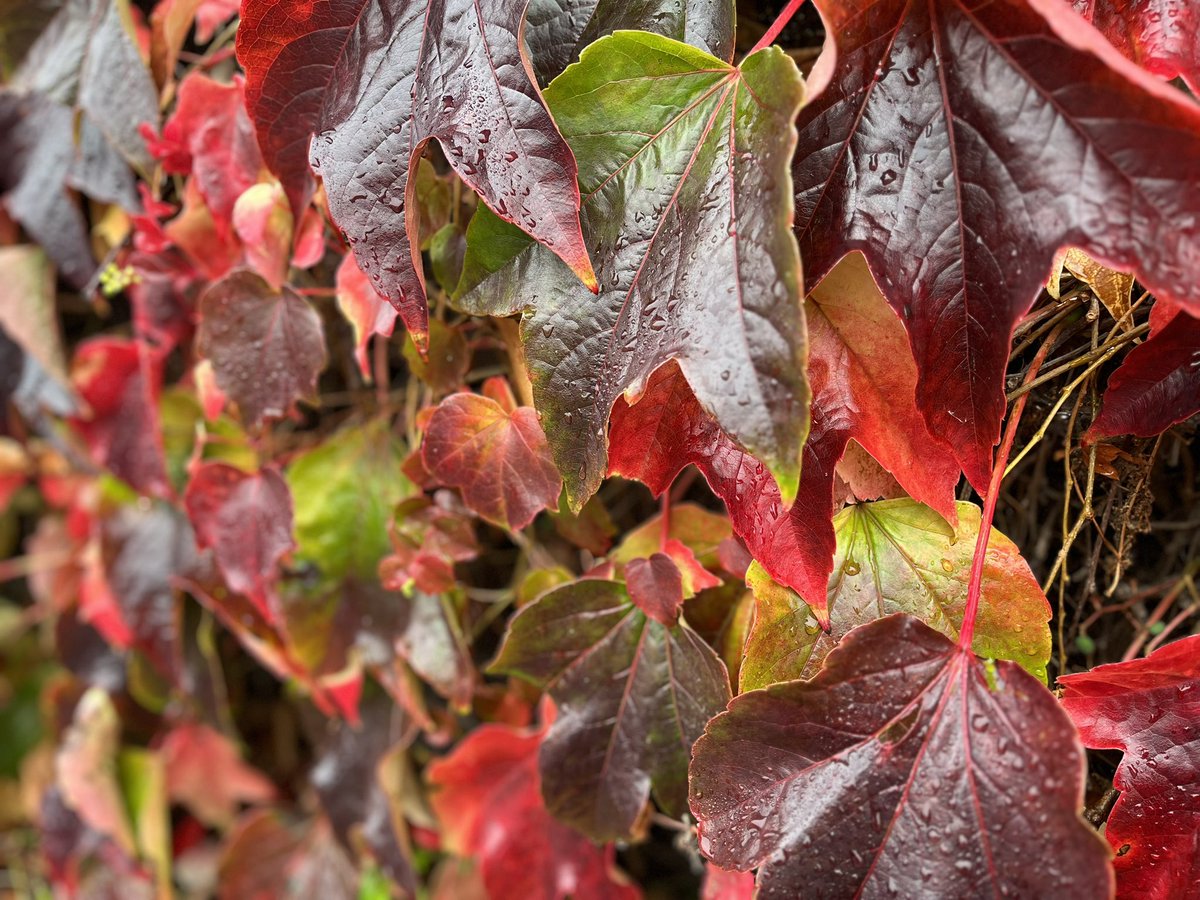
[683, 169]
[632, 695]
[344, 491]
[901, 556]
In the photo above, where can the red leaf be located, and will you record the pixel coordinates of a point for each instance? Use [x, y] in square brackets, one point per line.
[263, 223]
[1156, 386]
[247, 521]
[1161, 36]
[267, 347]
[904, 767]
[369, 314]
[120, 381]
[210, 136]
[959, 145]
[498, 457]
[655, 587]
[721, 884]
[489, 801]
[206, 774]
[1149, 709]
[377, 82]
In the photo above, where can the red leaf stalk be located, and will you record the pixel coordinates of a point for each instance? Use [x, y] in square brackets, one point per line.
[975, 583]
[777, 26]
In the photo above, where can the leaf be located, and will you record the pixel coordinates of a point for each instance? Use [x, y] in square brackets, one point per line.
[495, 452]
[1111, 288]
[377, 81]
[1156, 386]
[247, 521]
[1161, 36]
[558, 30]
[487, 798]
[209, 135]
[683, 168]
[263, 223]
[86, 769]
[368, 313]
[1148, 709]
[428, 537]
[927, 149]
[27, 311]
[904, 767]
[448, 360]
[655, 587]
[900, 556]
[347, 780]
[632, 696]
[267, 347]
[119, 381]
[344, 492]
[205, 772]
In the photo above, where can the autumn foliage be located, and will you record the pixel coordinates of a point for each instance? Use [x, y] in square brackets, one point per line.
[473, 448]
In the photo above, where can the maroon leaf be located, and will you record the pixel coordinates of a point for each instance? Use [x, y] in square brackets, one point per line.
[247, 521]
[1156, 386]
[655, 587]
[958, 145]
[1149, 709]
[266, 347]
[377, 81]
[487, 797]
[905, 767]
[557, 30]
[119, 382]
[1161, 36]
[496, 453]
[632, 694]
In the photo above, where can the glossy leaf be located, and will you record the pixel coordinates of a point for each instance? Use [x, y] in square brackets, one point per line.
[632, 696]
[267, 347]
[1156, 386]
[344, 492]
[377, 80]
[1161, 36]
[557, 30]
[904, 767]
[486, 795]
[958, 145]
[496, 453]
[1149, 709]
[899, 556]
[247, 521]
[683, 167]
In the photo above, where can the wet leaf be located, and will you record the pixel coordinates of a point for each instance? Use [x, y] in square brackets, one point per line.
[958, 146]
[632, 696]
[904, 767]
[266, 346]
[487, 798]
[495, 452]
[683, 167]
[1148, 709]
[1161, 36]
[376, 81]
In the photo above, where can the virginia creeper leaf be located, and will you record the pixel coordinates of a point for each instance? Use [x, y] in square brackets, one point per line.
[376, 80]
[448, 361]
[1156, 386]
[557, 30]
[368, 313]
[27, 311]
[496, 453]
[119, 381]
[1148, 708]
[247, 521]
[655, 587]
[487, 798]
[266, 346]
[1161, 36]
[958, 145]
[904, 767]
[632, 696]
[344, 492]
[206, 773]
[683, 168]
[900, 556]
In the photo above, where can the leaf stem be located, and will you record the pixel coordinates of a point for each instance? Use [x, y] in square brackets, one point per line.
[975, 584]
[777, 26]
